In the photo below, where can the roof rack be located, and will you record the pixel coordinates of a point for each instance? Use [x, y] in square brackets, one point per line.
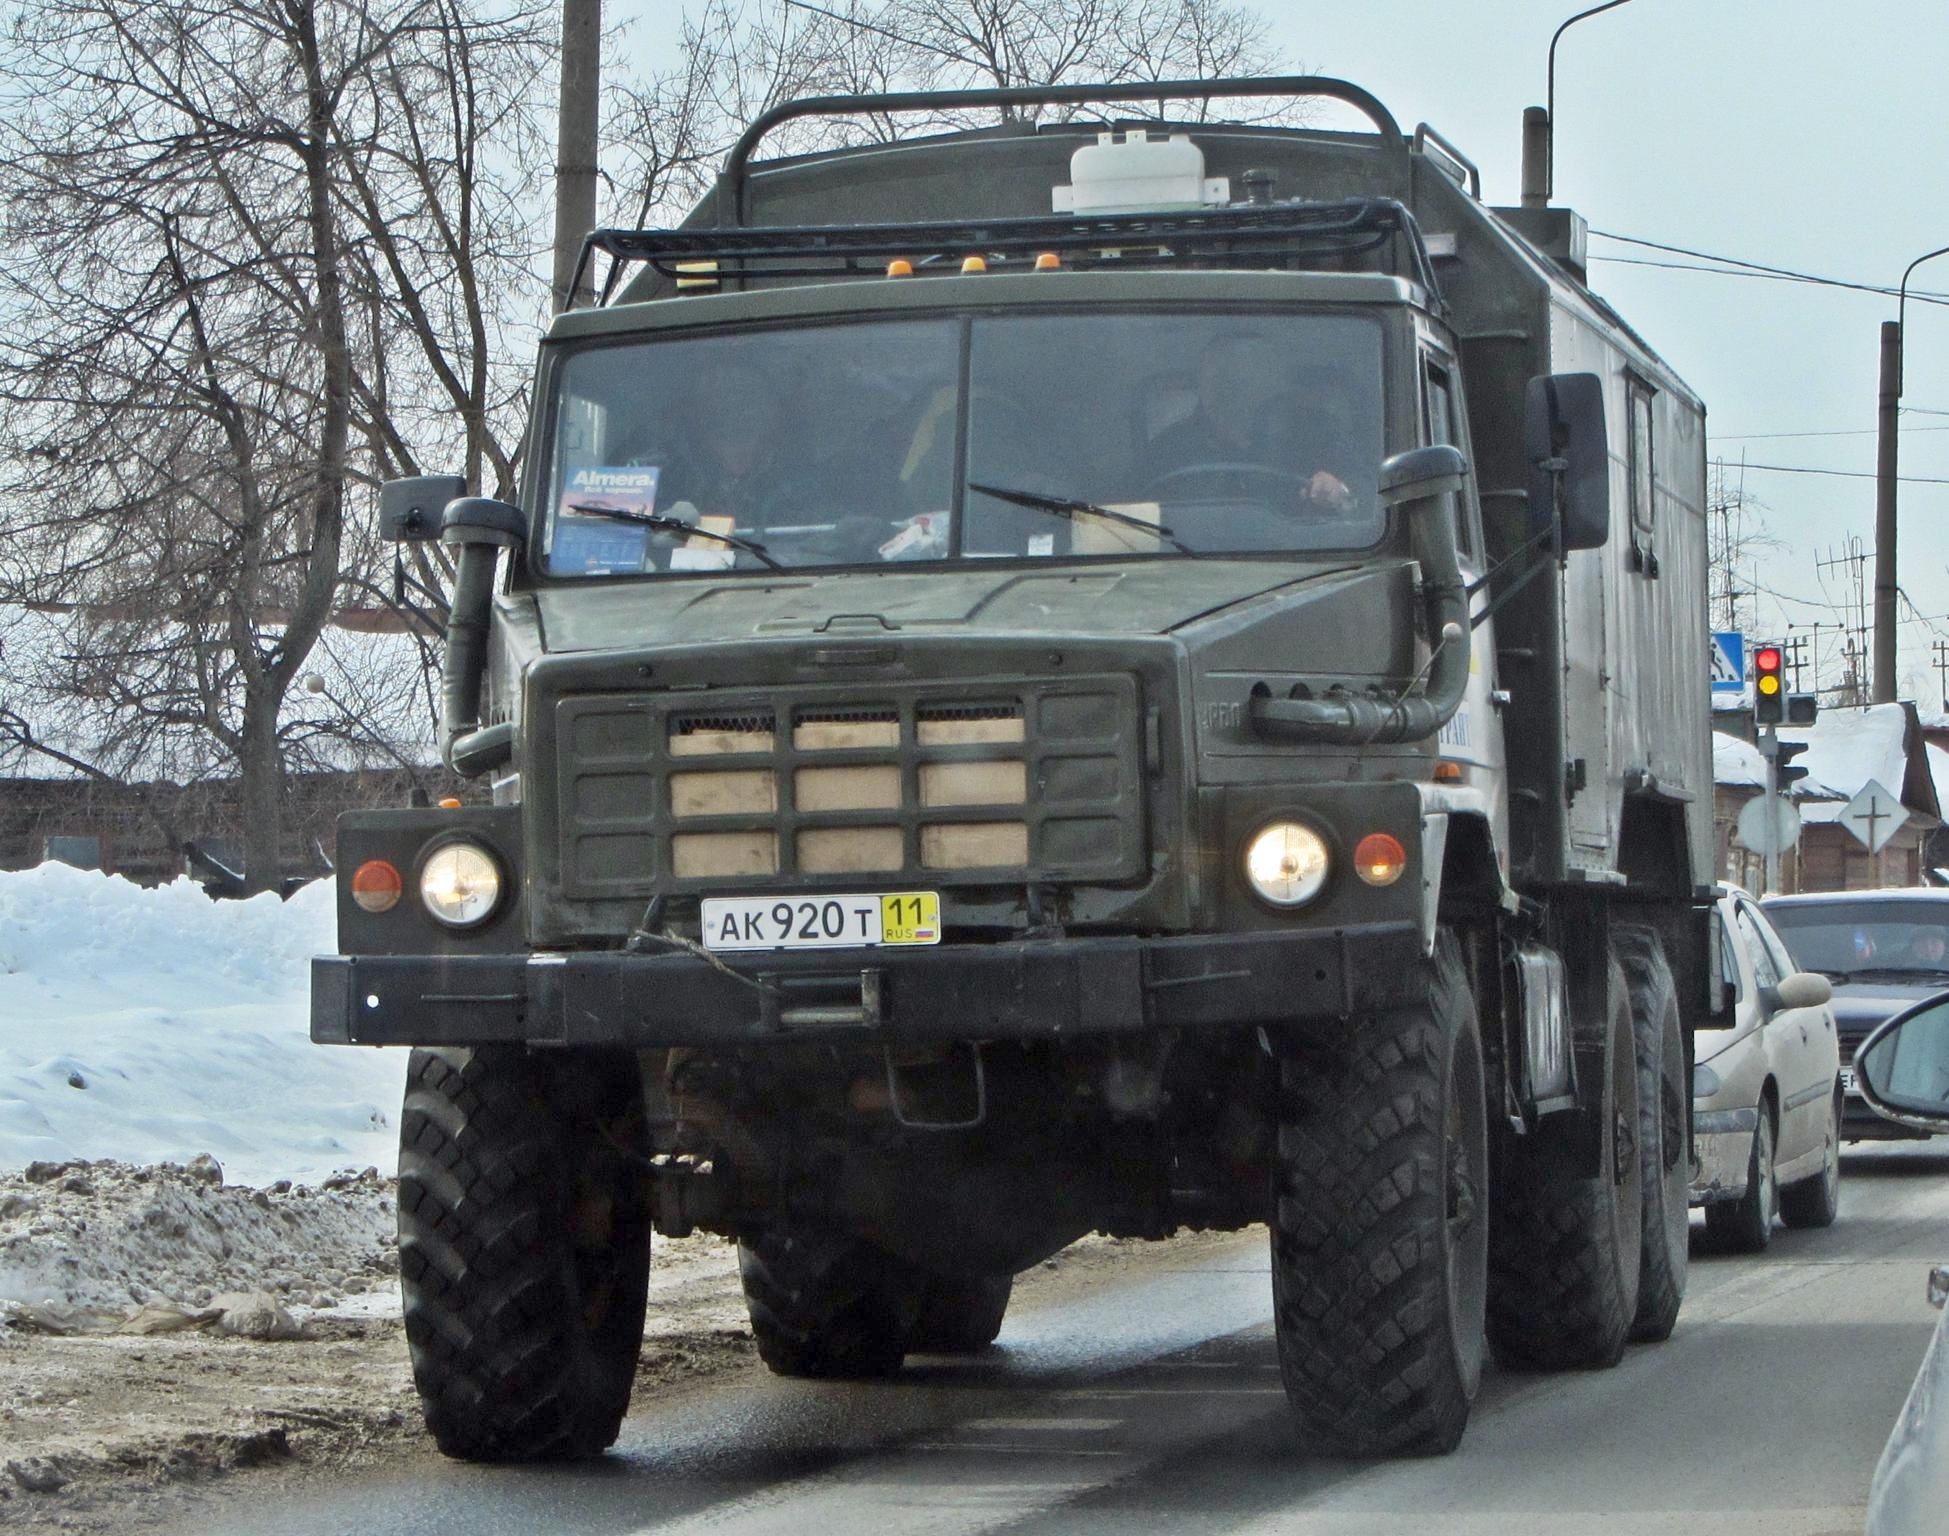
[737, 166]
[1249, 234]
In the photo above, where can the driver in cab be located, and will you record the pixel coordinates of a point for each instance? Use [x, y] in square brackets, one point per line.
[1250, 434]
[734, 456]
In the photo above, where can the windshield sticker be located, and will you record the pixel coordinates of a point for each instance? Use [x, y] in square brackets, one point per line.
[623, 488]
[1042, 543]
[588, 543]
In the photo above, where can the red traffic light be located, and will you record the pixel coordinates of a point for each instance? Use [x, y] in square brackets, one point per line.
[1767, 658]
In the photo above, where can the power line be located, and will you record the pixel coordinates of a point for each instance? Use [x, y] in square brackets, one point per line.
[1847, 474]
[1746, 268]
[1753, 437]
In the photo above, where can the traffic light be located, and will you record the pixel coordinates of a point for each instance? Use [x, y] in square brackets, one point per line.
[1784, 752]
[1802, 708]
[1769, 687]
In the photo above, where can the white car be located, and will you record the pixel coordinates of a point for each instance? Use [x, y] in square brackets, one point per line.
[1766, 1090]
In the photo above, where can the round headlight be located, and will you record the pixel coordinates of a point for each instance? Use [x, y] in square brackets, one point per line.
[460, 884]
[1286, 863]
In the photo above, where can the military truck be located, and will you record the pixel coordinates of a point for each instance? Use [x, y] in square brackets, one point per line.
[1081, 675]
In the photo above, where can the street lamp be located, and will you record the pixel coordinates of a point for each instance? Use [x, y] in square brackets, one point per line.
[1539, 137]
[1886, 586]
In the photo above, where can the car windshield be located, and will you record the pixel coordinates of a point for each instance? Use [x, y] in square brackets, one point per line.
[1108, 433]
[1845, 938]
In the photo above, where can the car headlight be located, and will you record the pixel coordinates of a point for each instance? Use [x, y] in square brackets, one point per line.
[460, 884]
[1286, 863]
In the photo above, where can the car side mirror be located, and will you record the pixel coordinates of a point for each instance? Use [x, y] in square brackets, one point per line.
[1902, 1069]
[1422, 474]
[1803, 989]
[1568, 451]
[409, 509]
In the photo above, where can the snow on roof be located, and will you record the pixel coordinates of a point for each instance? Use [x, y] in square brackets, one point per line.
[1737, 762]
[1848, 747]
[1938, 761]
[1845, 749]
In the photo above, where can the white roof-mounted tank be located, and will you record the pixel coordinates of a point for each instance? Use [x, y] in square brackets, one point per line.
[1131, 172]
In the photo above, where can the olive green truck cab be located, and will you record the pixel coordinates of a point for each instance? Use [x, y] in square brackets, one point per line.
[1049, 679]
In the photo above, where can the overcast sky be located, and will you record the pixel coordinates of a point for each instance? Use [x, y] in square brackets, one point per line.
[1803, 135]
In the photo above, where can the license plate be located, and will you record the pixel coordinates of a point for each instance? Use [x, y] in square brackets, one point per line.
[822, 922]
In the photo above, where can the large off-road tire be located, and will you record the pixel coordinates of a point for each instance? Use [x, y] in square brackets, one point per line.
[826, 1305]
[1663, 1098]
[1565, 1249]
[959, 1314]
[1745, 1225]
[1816, 1200]
[524, 1249]
[1380, 1225]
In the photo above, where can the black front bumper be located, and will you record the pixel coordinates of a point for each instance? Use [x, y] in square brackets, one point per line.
[1044, 989]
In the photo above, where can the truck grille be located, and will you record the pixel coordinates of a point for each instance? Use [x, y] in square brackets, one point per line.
[1028, 781]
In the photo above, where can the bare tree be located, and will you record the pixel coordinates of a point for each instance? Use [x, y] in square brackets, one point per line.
[1736, 536]
[739, 58]
[258, 256]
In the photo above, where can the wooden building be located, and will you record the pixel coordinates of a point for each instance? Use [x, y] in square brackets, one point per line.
[1846, 749]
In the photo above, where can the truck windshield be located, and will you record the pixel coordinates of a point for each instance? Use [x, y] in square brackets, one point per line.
[946, 438]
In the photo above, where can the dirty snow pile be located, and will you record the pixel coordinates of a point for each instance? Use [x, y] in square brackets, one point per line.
[110, 1237]
[151, 1026]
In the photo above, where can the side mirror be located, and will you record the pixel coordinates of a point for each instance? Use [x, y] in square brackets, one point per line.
[1565, 443]
[1803, 989]
[1421, 474]
[409, 509]
[1902, 1069]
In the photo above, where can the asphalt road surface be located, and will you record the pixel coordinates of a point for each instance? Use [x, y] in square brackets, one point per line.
[1149, 1400]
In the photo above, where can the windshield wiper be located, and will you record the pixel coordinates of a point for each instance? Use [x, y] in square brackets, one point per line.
[668, 524]
[1065, 506]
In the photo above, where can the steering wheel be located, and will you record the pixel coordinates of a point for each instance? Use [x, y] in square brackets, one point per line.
[1235, 468]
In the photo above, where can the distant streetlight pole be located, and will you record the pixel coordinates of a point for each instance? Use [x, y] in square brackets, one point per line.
[1887, 588]
[1539, 133]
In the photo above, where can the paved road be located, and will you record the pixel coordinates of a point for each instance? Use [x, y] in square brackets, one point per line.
[1152, 1402]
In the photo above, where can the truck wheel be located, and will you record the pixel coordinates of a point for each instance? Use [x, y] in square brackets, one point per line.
[1665, 1241]
[1565, 1249]
[1816, 1201]
[524, 1250]
[1380, 1226]
[961, 1314]
[826, 1306]
[1745, 1225]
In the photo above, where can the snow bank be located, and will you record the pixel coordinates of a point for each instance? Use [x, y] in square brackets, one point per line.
[150, 1025]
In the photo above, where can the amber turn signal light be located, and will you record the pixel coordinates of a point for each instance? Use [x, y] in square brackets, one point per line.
[376, 886]
[1379, 858]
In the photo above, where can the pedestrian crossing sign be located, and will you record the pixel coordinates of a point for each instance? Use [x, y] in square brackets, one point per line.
[1728, 664]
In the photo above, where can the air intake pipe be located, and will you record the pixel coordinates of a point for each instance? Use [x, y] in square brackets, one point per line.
[1423, 481]
[481, 527]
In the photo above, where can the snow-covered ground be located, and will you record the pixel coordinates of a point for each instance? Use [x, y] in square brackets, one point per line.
[152, 1025]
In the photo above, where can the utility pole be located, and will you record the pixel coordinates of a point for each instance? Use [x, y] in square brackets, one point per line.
[1885, 583]
[575, 153]
[1793, 647]
[1942, 671]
